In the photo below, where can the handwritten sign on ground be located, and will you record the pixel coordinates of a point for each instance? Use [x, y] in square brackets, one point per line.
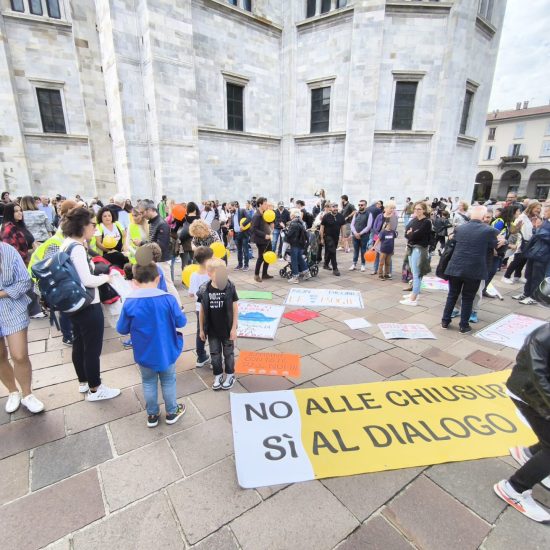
[324, 297]
[272, 364]
[511, 330]
[255, 295]
[299, 435]
[410, 331]
[300, 315]
[434, 283]
[257, 320]
[357, 323]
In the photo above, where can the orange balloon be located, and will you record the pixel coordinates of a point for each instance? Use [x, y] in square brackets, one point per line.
[178, 212]
[370, 256]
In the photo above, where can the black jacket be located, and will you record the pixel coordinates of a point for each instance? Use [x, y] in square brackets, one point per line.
[474, 240]
[204, 298]
[530, 378]
[281, 217]
[296, 234]
[259, 229]
[159, 232]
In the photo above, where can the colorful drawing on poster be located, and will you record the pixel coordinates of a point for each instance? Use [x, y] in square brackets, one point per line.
[324, 297]
[434, 283]
[300, 435]
[301, 315]
[271, 364]
[393, 331]
[257, 320]
[357, 323]
[254, 295]
[510, 331]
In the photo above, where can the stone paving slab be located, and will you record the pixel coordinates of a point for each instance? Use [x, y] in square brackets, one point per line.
[309, 369]
[85, 414]
[364, 494]
[53, 375]
[376, 534]
[435, 369]
[138, 474]
[203, 445]
[351, 374]
[488, 360]
[282, 520]
[432, 519]
[14, 473]
[344, 354]
[327, 338]
[221, 540]
[209, 499]
[31, 432]
[265, 383]
[68, 456]
[52, 512]
[146, 525]
[384, 364]
[131, 432]
[123, 377]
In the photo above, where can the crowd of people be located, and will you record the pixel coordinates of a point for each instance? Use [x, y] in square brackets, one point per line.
[142, 243]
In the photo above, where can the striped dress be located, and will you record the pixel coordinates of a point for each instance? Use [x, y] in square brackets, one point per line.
[15, 281]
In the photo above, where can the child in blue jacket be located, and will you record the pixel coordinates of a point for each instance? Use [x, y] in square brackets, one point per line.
[151, 316]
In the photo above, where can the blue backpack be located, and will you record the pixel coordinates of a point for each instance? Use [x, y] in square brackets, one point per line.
[60, 284]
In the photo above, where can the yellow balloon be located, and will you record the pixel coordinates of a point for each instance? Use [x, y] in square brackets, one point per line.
[218, 249]
[269, 216]
[270, 257]
[188, 270]
[109, 241]
[246, 226]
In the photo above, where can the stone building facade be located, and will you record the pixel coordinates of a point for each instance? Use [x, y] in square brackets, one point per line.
[199, 99]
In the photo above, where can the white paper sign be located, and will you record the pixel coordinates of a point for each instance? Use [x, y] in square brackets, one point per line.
[324, 297]
[357, 323]
[434, 283]
[510, 331]
[409, 331]
[258, 320]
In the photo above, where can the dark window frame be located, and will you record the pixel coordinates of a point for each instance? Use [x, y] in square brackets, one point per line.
[466, 110]
[320, 109]
[52, 113]
[35, 7]
[311, 8]
[247, 5]
[341, 4]
[18, 6]
[326, 6]
[235, 106]
[403, 106]
[54, 9]
[233, 2]
[492, 132]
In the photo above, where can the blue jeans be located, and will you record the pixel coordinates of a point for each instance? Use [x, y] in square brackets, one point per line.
[414, 260]
[362, 244]
[201, 350]
[406, 219]
[242, 241]
[167, 378]
[297, 260]
[275, 238]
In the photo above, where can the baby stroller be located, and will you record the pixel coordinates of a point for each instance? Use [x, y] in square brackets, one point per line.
[310, 255]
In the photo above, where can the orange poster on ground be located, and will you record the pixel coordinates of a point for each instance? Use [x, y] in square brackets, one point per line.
[272, 364]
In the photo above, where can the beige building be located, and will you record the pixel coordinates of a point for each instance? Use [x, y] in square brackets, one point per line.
[515, 154]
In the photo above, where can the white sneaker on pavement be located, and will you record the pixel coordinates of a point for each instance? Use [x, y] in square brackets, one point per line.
[522, 502]
[32, 403]
[352, 267]
[102, 392]
[13, 402]
[217, 384]
[521, 455]
[363, 269]
[408, 302]
[83, 388]
[507, 281]
[522, 280]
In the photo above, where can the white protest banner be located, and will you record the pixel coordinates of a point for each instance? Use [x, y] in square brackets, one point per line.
[258, 320]
[410, 331]
[299, 435]
[324, 297]
[510, 331]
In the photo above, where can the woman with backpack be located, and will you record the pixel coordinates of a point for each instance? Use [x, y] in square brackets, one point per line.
[15, 282]
[110, 230]
[297, 238]
[79, 227]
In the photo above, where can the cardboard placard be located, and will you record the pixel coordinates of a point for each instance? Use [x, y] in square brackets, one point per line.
[301, 315]
[270, 364]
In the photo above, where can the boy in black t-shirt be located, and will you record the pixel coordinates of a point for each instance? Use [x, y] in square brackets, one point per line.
[218, 322]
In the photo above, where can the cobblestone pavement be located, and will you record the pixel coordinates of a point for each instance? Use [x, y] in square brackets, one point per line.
[92, 475]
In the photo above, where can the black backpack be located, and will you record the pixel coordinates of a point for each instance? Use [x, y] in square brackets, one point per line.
[445, 258]
[60, 284]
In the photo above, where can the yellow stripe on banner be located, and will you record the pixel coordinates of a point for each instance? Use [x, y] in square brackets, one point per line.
[379, 426]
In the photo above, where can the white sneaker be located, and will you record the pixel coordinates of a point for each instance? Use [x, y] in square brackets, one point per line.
[40, 315]
[83, 388]
[102, 392]
[408, 302]
[228, 382]
[521, 456]
[522, 280]
[217, 384]
[528, 302]
[363, 269]
[294, 280]
[32, 403]
[352, 267]
[522, 502]
[507, 281]
[13, 402]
